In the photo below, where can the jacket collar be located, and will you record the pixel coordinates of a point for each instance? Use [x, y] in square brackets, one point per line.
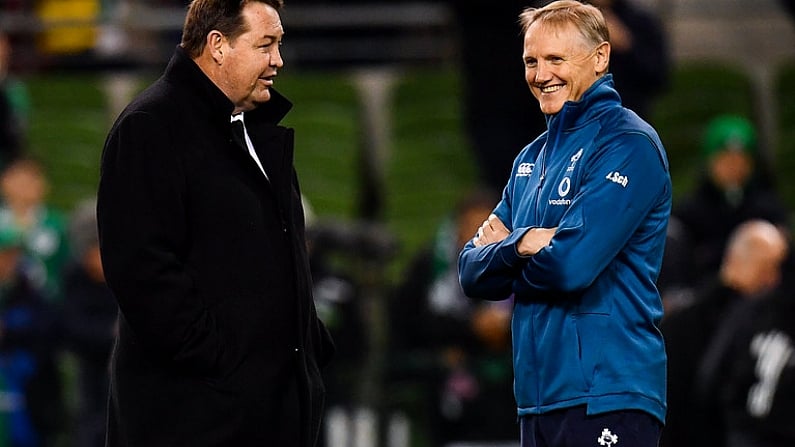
[600, 96]
[183, 71]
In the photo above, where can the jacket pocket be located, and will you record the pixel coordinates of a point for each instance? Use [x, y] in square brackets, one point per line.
[591, 329]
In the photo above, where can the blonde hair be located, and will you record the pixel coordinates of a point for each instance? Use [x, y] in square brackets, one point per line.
[587, 18]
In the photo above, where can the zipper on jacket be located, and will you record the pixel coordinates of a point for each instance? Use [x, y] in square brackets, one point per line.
[553, 138]
[534, 353]
[540, 180]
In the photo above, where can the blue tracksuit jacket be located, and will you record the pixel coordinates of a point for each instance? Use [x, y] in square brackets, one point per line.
[587, 311]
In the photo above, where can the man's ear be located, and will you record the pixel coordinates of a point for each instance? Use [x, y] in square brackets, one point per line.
[602, 56]
[215, 45]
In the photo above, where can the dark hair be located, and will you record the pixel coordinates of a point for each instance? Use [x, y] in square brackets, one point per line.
[222, 15]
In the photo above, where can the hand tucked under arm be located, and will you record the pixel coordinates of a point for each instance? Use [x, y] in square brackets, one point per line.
[492, 230]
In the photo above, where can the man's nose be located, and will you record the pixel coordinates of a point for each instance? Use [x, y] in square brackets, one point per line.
[541, 72]
[276, 58]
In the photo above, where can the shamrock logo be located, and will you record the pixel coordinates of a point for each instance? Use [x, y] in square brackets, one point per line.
[607, 439]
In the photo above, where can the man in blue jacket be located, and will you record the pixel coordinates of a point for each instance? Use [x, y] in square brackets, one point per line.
[578, 239]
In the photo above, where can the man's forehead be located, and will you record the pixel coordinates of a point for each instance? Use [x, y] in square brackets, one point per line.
[262, 27]
[262, 16]
[546, 29]
[560, 35]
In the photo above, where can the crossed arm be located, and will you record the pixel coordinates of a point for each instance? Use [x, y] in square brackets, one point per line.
[493, 230]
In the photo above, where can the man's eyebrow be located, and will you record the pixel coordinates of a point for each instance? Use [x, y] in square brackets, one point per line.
[272, 36]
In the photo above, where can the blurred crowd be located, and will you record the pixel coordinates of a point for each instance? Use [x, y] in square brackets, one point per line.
[727, 282]
[57, 318]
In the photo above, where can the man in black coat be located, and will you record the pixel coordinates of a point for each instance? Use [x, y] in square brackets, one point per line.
[758, 382]
[202, 241]
[697, 337]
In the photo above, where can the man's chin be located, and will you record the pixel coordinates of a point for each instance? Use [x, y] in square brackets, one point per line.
[257, 102]
[265, 96]
[551, 109]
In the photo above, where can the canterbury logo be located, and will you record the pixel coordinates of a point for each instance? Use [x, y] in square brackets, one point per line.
[525, 169]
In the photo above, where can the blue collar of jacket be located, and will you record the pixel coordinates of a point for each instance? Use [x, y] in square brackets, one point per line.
[183, 71]
[601, 95]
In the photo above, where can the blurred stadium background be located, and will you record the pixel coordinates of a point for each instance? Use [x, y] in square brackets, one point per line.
[376, 88]
[81, 59]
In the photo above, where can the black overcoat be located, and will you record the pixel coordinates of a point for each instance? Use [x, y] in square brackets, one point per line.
[219, 342]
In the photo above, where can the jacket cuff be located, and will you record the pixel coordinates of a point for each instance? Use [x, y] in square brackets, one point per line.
[509, 250]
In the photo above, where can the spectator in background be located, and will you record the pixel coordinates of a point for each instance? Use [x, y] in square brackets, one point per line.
[729, 193]
[89, 321]
[24, 188]
[461, 346]
[639, 57]
[758, 381]
[31, 409]
[750, 269]
[14, 105]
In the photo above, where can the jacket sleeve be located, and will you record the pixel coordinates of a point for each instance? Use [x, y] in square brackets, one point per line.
[488, 272]
[621, 185]
[144, 242]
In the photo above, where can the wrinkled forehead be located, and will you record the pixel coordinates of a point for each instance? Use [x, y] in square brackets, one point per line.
[262, 19]
[557, 29]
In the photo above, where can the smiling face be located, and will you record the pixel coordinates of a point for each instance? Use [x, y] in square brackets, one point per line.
[561, 64]
[248, 64]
